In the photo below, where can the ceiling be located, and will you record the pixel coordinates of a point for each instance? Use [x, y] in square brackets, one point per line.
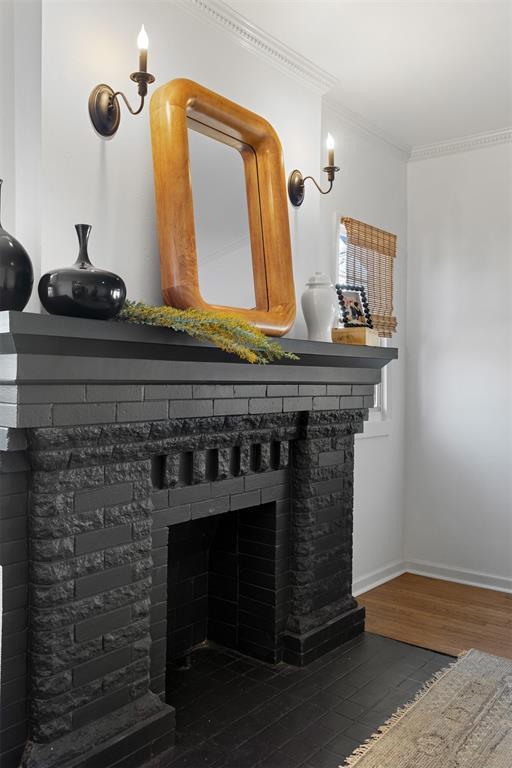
[422, 72]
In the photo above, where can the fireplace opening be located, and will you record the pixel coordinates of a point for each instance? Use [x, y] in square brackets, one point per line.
[228, 583]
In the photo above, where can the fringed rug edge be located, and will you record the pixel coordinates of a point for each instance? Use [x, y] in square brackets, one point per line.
[357, 755]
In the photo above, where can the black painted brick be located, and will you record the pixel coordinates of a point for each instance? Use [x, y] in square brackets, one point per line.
[14, 505]
[180, 409]
[167, 391]
[100, 666]
[339, 389]
[244, 500]
[212, 506]
[250, 390]
[266, 479]
[351, 402]
[15, 574]
[13, 484]
[226, 487]
[188, 494]
[266, 405]
[102, 581]
[297, 403]
[111, 393]
[13, 528]
[99, 625]
[15, 597]
[143, 411]
[103, 706]
[326, 403]
[333, 457]
[88, 413]
[106, 496]
[312, 389]
[282, 390]
[230, 407]
[106, 537]
[362, 389]
[13, 552]
[171, 516]
[275, 493]
[205, 391]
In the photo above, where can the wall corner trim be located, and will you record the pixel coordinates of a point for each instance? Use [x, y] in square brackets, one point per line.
[462, 144]
[376, 578]
[260, 42]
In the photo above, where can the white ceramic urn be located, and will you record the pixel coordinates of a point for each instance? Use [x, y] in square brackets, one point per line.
[320, 307]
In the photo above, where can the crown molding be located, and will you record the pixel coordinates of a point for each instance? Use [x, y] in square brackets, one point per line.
[250, 36]
[357, 121]
[463, 144]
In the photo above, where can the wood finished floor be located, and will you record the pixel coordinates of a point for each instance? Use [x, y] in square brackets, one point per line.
[440, 615]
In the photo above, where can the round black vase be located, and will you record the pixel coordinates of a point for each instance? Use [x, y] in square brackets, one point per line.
[16, 273]
[82, 290]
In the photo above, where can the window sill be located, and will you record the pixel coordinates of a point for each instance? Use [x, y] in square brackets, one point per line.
[375, 428]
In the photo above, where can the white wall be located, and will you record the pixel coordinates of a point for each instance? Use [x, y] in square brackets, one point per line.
[459, 367]
[7, 113]
[109, 184]
[372, 187]
[20, 126]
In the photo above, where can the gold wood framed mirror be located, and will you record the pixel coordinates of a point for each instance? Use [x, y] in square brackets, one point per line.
[182, 105]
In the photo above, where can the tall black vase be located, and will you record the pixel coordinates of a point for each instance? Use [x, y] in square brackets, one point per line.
[82, 290]
[16, 273]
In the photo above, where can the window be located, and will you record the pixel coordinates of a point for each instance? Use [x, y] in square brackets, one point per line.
[365, 256]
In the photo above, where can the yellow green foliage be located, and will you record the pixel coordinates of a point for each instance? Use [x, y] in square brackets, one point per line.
[228, 332]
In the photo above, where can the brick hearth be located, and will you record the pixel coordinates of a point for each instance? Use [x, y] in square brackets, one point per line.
[144, 512]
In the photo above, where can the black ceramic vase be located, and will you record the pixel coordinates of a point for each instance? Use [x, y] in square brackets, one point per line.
[82, 290]
[16, 274]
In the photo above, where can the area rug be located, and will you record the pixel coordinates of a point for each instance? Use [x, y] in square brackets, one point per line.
[460, 719]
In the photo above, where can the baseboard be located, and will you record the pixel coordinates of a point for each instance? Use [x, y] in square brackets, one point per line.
[459, 575]
[378, 577]
[432, 570]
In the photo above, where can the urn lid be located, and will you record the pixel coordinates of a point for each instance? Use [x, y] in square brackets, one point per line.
[319, 279]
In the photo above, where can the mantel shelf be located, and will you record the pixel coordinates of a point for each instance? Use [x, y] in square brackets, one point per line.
[47, 348]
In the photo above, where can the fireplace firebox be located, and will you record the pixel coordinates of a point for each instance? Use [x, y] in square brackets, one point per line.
[155, 495]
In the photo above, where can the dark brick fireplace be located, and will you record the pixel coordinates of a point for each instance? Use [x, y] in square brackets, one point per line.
[156, 494]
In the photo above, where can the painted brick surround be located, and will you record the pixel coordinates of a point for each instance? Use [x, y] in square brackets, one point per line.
[149, 501]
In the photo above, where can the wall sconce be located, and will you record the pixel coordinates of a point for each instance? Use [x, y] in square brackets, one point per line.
[296, 180]
[104, 109]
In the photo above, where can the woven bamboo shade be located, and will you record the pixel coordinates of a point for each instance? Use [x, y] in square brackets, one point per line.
[369, 262]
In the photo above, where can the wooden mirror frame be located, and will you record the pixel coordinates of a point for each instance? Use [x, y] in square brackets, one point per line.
[173, 107]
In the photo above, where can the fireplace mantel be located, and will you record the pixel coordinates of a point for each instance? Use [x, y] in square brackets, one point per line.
[112, 436]
[36, 348]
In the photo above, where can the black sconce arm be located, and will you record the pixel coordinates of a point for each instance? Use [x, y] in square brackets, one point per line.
[129, 107]
[296, 184]
[322, 191]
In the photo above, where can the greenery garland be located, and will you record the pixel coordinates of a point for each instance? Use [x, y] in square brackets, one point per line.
[228, 332]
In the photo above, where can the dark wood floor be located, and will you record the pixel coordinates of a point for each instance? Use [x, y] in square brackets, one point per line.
[235, 712]
[440, 615]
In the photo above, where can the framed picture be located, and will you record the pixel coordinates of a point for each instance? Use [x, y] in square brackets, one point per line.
[354, 306]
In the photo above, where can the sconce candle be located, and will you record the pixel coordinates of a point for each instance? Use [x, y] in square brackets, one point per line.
[143, 44]
[330, 149]
[104, 109]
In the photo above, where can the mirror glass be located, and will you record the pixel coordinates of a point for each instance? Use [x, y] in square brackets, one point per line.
[221, 221]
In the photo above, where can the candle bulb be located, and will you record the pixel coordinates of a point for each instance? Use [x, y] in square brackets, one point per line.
[330, 150]
[143, 43]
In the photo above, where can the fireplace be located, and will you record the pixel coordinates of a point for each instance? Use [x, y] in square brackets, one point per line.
[229, 583]
[156, 495]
